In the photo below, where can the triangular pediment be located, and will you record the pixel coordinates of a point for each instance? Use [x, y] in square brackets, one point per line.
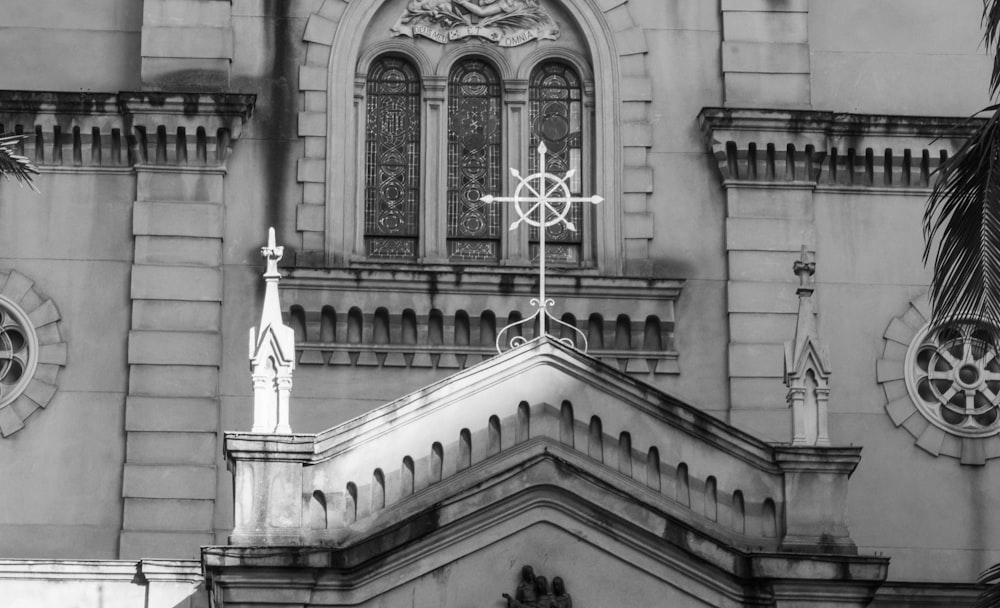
[539, 503]
[539, 447]
[542, 371]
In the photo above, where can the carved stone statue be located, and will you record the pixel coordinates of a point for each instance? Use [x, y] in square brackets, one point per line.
[533, 592]
[560, 599]
[544, 598]
[525, 595]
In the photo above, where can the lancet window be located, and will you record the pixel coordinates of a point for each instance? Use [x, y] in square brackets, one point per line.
[555, 114]
[474, 162]
[392, 160]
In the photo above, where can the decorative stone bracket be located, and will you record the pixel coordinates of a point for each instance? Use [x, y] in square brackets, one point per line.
[118, 130]
[830, 149]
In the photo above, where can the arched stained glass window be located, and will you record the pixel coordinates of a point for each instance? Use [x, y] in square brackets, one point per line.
[555, 112]
[392, 160]
[474, 148]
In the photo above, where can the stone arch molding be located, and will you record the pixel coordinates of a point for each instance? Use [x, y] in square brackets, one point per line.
[898, 372]
[31, 338]
[333, 36]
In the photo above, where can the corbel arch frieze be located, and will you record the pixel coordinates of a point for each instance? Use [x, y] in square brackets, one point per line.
[327, 218]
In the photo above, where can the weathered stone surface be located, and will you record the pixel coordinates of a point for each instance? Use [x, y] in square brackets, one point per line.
[177, 219]
[169, 481]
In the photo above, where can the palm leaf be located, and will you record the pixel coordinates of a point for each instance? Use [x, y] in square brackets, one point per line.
[16, 165]
[991, 28]
[990, 596]
[963, 218]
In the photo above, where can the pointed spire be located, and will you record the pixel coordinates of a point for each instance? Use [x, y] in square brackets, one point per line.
[805, 325]
[272, 352]
[807, 368]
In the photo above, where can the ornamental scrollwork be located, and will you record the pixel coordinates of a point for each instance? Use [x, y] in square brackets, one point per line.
[504, 22]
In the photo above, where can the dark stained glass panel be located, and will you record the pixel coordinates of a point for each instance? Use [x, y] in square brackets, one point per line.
[474, 146]
[392, 160]
[555, 113]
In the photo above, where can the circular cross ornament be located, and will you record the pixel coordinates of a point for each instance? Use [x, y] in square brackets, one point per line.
[551, 210]
[550, 206]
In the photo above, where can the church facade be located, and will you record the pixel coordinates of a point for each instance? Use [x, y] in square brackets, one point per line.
[738, 400]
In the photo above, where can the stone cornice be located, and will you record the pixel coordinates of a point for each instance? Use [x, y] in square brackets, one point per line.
[99, 131]
[451, 279]
[813, 459]
[863, 151]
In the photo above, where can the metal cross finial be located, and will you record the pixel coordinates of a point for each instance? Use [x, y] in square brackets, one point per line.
[551, 202]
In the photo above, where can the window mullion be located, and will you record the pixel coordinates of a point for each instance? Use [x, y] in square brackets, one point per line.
[515, 243]
[590, 227]
[434, 230]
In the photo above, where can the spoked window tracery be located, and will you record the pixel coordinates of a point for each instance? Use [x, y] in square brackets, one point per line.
[18, 351]
[392, 167]
[474, 162]
[555, 114]
[953, 376]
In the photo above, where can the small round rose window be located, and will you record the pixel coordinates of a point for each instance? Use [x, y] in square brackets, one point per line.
[18, 351]
[953, 376]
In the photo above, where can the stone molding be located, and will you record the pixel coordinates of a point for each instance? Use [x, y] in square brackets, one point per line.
[802, 148]
[332, 39]
[349, 319]
[115, 131]
[324, 491]
[44, 324]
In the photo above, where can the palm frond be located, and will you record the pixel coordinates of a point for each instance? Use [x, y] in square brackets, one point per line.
[991, 29]
[963, 218]
[990, 596]
[16, 165]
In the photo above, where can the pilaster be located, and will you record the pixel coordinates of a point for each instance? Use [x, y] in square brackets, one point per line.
[765, 53]
[180, 146]
[186, 44]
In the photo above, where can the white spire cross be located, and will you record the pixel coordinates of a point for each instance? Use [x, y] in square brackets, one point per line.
[549, 210]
